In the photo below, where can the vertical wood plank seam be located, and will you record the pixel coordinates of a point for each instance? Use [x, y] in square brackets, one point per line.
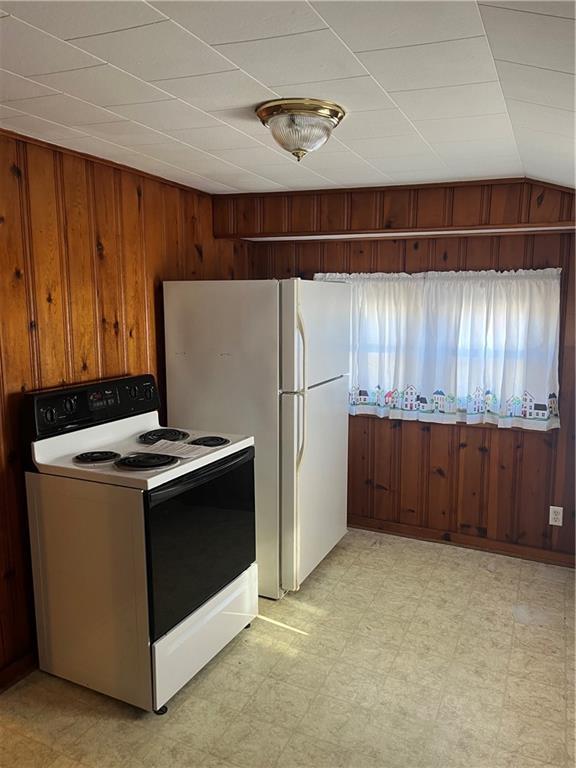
[91, 198]
[27, 248]
[118, 219]
[62, 225]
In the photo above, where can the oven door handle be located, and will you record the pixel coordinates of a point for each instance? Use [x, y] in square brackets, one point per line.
[198, 477]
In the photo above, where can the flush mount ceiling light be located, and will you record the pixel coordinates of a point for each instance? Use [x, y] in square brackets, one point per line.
[300, 125]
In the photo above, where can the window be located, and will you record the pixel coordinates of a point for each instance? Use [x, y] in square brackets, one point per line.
[474, 347]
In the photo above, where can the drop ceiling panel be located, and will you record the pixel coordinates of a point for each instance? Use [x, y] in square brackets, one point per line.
[529, 38]
[215, 137]
[65, 109]
[451, 101]
[61, 18]
[232, 22]
[166, 115]
[354, 93]
[541, 86]
[222, 90]
[16, 87]
[39, 128]
[466, 128]
[126, 133]
[296, 58]
[28, 51]
[562, 8]
[540, 118]
[429, 66]
[436, 90]
[104, 85]
[374, 124]
[156, 51]
[366, 26]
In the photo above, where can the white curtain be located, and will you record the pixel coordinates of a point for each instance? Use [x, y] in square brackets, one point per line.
[456, 346]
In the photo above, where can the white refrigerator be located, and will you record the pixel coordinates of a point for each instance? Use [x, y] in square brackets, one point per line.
[270, 358]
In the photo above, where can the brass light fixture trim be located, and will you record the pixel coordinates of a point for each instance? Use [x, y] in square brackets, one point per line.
[300, 125]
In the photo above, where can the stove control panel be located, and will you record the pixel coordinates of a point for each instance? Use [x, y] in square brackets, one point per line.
[64, 409]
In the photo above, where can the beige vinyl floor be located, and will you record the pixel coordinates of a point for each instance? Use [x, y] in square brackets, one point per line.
[395, 654]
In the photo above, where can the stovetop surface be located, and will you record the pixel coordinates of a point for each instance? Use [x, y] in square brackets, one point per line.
[58, 455]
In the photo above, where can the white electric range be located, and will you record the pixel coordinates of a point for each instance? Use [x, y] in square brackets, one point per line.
[142, 539]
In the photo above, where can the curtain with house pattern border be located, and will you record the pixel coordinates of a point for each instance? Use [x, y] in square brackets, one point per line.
[473, 347]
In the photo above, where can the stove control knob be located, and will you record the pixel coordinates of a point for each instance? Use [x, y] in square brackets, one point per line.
[133, 392]
[148, 393]
[50, 415]
[70, 404]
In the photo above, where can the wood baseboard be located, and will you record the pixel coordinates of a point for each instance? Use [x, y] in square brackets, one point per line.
[463, 540]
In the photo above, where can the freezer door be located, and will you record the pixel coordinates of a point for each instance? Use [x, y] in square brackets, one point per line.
[315, 332]
[314, 477]
[222, 375]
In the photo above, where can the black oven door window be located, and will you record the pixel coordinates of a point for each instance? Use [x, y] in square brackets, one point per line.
[200, 533]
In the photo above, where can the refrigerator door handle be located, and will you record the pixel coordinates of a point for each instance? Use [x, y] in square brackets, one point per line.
[302, 332]
[301, 436]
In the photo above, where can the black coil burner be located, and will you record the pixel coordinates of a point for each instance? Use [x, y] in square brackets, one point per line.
[96, 457]
[210, 441]
[144, 461]
[164, 433]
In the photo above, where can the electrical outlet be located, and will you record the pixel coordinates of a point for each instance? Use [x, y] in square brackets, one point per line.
[556, 515]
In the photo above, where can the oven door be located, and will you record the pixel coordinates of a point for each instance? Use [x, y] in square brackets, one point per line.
[200, 535]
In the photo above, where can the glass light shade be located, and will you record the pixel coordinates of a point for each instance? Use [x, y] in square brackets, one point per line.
[300, 134]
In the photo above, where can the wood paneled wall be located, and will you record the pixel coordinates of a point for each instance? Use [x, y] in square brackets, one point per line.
[474, 485]
[508, 202]
[84, 247]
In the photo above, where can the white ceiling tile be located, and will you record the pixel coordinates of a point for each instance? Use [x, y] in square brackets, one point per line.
[388, 147]
[223, 90]
[104, 85]
[417, 177]
[27, 51]
[243, 120]
[253, 158]
[40, 129]
[543, 144]
[364, 176]
[64, 109]
[563, 8]
[353, 93]
[466, 128]
[157, 51]
[557, 170]
[310, 56]
[296, 173]
[429, 66]
[166, 115]
[541, 86]
[100, 148]
[487, 168]
[185, 157]
[16, 87]
[453, 101]
[125, 133]
[529, 38]
[424, 162]
[475, 149]
[214, 138]
[371, 25]
[231, 22]
[374, 124]
[90, 17]
[257, 184]
[523, 114]
[8, 111]
[320, 161]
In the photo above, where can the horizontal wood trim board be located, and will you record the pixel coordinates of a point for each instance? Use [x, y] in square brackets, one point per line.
[498, 204]
[459, 539]
[478, 231]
